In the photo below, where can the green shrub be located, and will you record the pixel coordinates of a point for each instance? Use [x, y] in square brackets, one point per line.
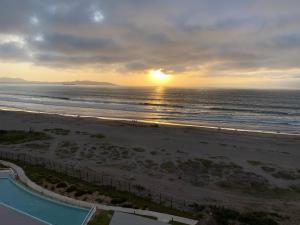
[71, 188]
[61, 185]
[99, 136]
[257, 218]
[79, 193]
[58, 131]
[20, 136]
[116, 201]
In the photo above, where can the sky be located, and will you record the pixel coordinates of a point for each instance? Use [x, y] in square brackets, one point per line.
[207, 43]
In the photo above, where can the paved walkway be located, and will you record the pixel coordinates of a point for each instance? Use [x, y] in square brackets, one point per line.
[10, 216]
[120, 218]
[160, 216]
[6, 173]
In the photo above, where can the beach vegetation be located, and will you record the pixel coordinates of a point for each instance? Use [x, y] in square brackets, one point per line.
[205, 162]
[98, 136]
[71, 188]
[61, 185]
[201, 166]
[168, 166]
[81, 132]
[255, 163]
[153, 152]
[8, 137]
[244, 181]
[149, 164]
[223, 144]
[3, 166]
[66, 149]
[226, 216]
[287, 175]
[139, 187]
[138, 149]
[80, 192]
[118, 201]
[58, 131]
[268, 169]
[38, 146]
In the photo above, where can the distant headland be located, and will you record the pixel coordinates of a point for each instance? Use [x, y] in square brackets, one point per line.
[8, 80]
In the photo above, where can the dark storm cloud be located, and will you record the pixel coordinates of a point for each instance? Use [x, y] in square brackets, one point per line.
[69, 44]
[139, 35]
[12, 52]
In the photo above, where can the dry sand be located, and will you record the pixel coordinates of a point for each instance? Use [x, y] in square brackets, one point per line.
[208, 166]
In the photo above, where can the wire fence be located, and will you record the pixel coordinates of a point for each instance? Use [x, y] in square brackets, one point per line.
[98, 178]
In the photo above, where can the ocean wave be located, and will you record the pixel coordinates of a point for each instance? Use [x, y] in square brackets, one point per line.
[272, 113]
[259, 111]
[92, 101]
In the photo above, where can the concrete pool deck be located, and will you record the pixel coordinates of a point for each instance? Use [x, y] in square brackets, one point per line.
[13, 217]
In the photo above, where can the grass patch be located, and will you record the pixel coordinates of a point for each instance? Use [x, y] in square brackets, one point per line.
[255, 163]
[61, 185]
[66, 149]
[286, 175]
[168, 166]
[205, 162]
[98, 136]
[38, 146]
[101, 218]
[268, 169]
[284, 194]
[138, 149]
[3, 167]
[201, 166]
[153, 152]
[8, 137]
[58, 131]
[226, 216]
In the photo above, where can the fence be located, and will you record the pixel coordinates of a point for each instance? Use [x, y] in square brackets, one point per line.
[98, 178]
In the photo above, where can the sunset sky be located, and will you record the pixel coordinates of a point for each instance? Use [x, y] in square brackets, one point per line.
[190, 43]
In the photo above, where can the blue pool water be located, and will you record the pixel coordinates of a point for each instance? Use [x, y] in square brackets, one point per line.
[50, 211]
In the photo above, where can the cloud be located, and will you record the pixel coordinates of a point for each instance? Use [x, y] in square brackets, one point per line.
[70, 44]
[13, 52]
[140, 35]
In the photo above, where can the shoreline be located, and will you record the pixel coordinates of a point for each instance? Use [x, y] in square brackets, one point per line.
[160, 124]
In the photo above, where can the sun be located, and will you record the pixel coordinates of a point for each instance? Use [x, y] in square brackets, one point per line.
[159, 77]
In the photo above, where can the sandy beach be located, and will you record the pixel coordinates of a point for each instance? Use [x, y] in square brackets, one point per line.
[208, 166]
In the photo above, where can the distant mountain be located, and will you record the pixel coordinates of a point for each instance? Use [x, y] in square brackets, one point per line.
[88, 82]
[8, 80]
[12, 80]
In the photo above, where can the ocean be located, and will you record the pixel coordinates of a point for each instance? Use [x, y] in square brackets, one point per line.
[256, 110]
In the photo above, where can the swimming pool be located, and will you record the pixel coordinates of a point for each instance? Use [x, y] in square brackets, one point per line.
[48, 210]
